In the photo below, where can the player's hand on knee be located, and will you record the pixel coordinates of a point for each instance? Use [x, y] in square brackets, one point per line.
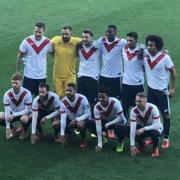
[24, 119]
[43, 120]
[10, 117]
[73, 123]
[140, 131]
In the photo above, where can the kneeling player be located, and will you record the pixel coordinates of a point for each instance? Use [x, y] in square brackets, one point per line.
[45, 106]
[17, 105]
[144, 122]
[109, 116]
[76, 107]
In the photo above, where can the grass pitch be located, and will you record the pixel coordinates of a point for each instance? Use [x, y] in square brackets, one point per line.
[49, 161]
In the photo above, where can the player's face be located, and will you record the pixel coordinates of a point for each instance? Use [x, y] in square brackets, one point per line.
[86, 39]
[151, 46]
[140, 102]
[66, 35]
[43, 93]
[16, 84]
[103, 99]
[38, 32]
[70, 92]
[131, 42]
[110, 34]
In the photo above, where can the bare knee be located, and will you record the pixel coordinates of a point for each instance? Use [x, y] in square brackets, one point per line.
[2, 116]
[81, 125]
[56, 124]
[24, 119]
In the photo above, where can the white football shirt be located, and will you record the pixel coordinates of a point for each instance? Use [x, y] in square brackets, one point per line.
[35, 56]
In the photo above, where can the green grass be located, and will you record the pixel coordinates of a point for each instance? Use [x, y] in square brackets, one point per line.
[47, 160]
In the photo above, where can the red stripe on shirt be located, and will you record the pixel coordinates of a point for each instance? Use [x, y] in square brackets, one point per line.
[156, 117]
[76, 106]
[119, 113]
[130, 56]
[88, 54]
[109, 47]
[108, 111]
[17, 102]
[36, 48]
[143, 120]
[155, 62]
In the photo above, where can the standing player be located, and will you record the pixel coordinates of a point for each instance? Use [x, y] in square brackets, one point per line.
[112, 64]
[17, 105]
[133, 76]
[157, 67]
[34, 50]
[64, 70]
[89, 67]
[108, 115]
[78, 113]
[45, 106]
[144, 122]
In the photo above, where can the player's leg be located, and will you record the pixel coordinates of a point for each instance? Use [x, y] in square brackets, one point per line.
[2, 119]
[56, 127]
[92, 89]
[151, 96]
[155, 136]
[91, 126]
[81, 125]
[81, 88]
[25, 123]
[121, 132]
[113, 84]
[164, 106]
[59, 87]
[126, 98]
[39, 131]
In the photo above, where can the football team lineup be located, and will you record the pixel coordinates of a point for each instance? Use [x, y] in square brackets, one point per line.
[83, 95]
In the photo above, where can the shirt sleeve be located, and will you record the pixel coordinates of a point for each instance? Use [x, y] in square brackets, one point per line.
[132, 115]
[133, 125]
[7, 110]
[119, 112]
[98, 126]
[99, 132]
[168, 63]
[23, 46]
[63, 119]
[34, 121]
[97, 114]
[79, 40]
[35, 104]
[97, 43]
[51, 49]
